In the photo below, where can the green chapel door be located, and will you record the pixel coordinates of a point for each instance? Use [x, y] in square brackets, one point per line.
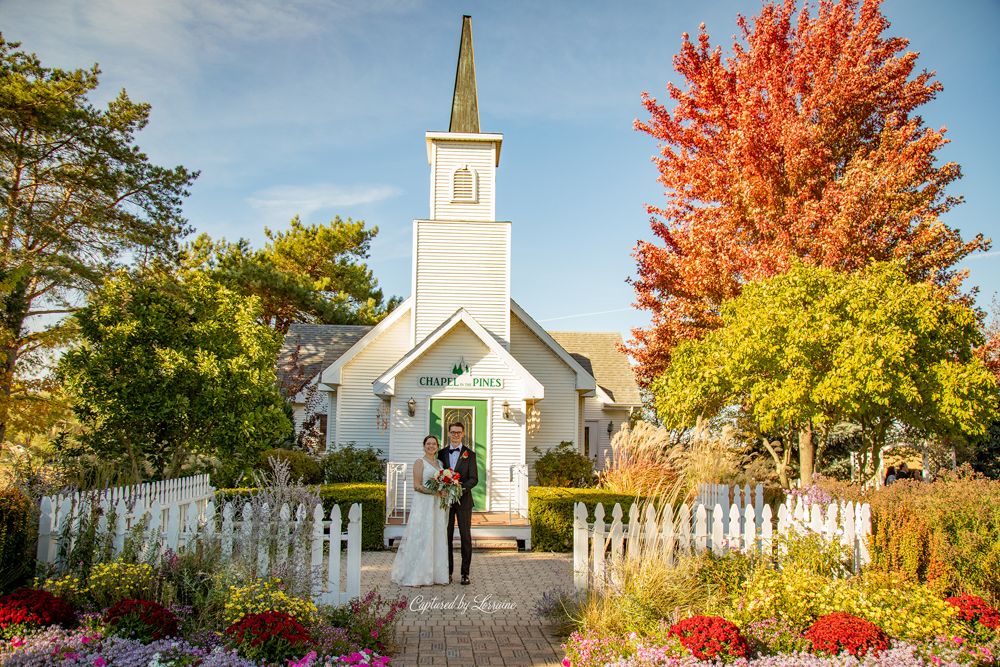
[473, 415]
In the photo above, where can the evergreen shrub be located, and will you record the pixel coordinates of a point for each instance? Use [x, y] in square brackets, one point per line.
[18, 531]
[351, 464]
[371, 497]
[550, 511]
[300, 465]
[563, 466]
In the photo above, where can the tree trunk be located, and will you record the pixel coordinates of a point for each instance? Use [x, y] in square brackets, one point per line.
[806, 454]
[14, 310]
[780, 462]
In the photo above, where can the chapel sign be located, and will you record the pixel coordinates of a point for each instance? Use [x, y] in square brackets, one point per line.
[461, 377]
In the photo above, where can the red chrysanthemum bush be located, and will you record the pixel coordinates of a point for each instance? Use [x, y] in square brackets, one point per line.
[711, 637]
[982, 619]
[838, 632]
[28, 609]
[144, 620]
[269, 637]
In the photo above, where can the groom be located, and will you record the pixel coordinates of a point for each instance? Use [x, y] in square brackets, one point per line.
[463, 461]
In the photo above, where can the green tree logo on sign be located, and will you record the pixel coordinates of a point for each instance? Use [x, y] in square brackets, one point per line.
[460, 368]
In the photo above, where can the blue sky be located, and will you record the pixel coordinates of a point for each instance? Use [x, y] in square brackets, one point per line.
[319, 108]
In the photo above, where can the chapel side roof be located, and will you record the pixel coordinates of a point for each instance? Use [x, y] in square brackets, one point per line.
[598, 354]
[319, 346]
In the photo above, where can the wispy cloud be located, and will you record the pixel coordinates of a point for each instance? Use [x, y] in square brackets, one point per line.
[569, 317]
[995, 253]
[304, 199]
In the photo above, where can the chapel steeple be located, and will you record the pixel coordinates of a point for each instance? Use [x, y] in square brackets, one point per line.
[461, 253]
[464, 103]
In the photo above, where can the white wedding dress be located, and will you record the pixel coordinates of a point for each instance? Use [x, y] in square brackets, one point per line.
[422, 558]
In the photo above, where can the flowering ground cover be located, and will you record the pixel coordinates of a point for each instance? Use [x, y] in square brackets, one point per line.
[800, 605]
[137, 605]
[87, 645]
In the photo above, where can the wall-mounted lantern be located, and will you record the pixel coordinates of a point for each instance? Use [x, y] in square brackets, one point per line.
[611, 427]
[506, 409]
[411, 407]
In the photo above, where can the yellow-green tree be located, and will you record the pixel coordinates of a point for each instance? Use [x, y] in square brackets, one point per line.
[169, 368]
[814, 347]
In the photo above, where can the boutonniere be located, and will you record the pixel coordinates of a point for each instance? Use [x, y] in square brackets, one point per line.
[465, 455]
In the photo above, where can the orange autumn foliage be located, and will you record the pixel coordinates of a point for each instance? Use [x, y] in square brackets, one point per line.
[803, 142]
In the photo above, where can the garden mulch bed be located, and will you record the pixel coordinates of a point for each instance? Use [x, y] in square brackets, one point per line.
[489, 622]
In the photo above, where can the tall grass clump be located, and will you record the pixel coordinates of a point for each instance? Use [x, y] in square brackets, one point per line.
[639, 589]
[645, 457]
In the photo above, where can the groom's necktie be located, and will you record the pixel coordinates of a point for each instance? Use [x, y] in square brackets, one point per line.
[453, 456]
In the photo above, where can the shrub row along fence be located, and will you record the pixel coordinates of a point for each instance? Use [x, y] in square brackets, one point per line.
[177, 514]
[693, 532]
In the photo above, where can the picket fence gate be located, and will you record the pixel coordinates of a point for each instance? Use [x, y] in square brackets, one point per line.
[695, 530]
[169, 517]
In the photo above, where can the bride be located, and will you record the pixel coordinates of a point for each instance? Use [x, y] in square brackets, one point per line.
[422, 558]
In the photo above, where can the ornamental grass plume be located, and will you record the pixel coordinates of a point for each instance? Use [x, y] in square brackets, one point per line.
[639, 589]
[643, 459]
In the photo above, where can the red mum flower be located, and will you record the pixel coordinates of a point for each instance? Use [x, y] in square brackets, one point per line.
[143, 618]
[710, 637]
[33, 607]
[834, 633]
[973, 610]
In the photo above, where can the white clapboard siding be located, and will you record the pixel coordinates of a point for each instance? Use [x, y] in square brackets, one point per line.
[357, 406]
[461, 265]
[331, 418]
[559, 409]
[694, 532]
[594, 411]
[506, 445]
[449, 156]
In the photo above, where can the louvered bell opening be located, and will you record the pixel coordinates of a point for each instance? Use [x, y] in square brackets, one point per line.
[464, 187]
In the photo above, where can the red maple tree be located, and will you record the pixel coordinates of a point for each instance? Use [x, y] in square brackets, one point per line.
[803, 142]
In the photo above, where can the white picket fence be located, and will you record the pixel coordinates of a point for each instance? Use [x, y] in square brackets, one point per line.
[177, 513]
[694, 530]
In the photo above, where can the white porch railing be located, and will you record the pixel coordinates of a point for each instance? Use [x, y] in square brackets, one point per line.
[692, 532]
[517, 500]
[169, 518]
[395, 491]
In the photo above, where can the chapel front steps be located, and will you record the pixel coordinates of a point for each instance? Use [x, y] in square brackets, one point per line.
[491, 531]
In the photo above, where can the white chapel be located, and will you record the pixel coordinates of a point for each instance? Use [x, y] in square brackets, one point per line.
[460, 348]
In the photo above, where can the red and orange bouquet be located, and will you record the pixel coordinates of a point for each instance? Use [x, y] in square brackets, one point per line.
[446, 480]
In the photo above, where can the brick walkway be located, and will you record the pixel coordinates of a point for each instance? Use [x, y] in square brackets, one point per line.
[486, 623]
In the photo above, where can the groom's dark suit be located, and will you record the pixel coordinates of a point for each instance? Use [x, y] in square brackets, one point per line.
[468, 475]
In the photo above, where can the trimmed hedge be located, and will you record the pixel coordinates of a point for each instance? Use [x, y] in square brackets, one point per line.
[371, 496]
[550, 511]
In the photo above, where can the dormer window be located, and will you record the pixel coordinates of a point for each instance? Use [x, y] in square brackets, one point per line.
[464, 186]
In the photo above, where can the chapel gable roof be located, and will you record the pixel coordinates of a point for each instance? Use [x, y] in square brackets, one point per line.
[599, 355]
[319, 345]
